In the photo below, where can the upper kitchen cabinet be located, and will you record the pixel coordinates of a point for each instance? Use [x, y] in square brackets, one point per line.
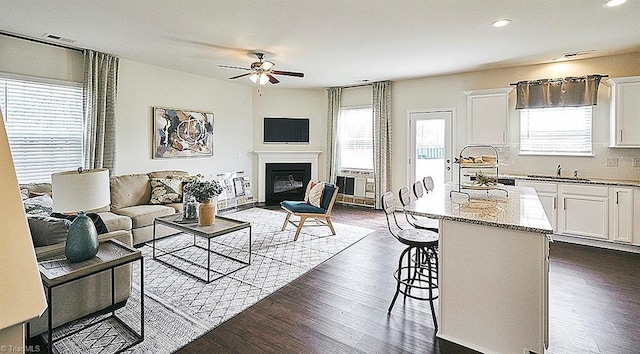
[624, 128]
[488, 116]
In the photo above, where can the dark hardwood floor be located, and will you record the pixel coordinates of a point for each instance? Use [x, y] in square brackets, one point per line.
[341, 305]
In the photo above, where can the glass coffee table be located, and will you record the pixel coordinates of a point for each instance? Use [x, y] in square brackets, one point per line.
[188, 254]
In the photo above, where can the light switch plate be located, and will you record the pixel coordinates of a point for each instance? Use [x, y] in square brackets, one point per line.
[612, 162]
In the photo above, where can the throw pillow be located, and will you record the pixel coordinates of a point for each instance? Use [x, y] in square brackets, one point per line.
[101, 228]
[306, 193]
[315, 194]
[47, 231]
[166, 190]
[24, 193]
[41, 205]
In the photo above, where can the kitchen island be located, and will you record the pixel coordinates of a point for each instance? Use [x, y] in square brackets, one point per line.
[493, 275]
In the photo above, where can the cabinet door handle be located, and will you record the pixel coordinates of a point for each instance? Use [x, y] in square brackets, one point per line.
[504, 137]
[564, 203]
[617, 197]
[555, 203]
[620, 135]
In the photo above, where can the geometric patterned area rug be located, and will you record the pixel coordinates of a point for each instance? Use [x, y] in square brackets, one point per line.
[180, 308]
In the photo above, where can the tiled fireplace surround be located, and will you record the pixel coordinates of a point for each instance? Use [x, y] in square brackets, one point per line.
[265, 157]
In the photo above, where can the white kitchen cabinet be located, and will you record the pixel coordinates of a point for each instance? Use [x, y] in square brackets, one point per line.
[621, 209]
[488, 116]
[624, 128]
[584, 210]
[548, 195]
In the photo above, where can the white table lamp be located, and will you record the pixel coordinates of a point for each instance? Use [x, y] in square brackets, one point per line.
[79, 191]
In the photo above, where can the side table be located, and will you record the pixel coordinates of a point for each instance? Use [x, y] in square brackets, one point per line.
[55, 270]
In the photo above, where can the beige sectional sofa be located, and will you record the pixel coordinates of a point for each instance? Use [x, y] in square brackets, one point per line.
[128, 219]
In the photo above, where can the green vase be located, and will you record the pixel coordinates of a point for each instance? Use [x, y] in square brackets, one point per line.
[82, 239]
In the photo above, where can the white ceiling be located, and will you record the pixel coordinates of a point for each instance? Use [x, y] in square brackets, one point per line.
[334, 42]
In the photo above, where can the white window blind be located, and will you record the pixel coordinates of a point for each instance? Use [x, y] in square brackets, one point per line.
[44, 126]
[556, 131]
[355, 134]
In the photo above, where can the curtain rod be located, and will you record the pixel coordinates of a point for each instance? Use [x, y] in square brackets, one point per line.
[41, 41]
[559, 79]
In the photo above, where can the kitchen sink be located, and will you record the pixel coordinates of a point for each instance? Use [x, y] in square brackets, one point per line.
[559, 178]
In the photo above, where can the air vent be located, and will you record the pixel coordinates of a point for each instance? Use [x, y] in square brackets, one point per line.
[58, 38]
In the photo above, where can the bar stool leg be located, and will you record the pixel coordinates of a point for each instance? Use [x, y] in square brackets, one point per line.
[432, 285]
[398, 279]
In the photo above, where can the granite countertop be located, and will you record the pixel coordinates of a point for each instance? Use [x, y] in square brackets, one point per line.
[544, 178]
[520, 210]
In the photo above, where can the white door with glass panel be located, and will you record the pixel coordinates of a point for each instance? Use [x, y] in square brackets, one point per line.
[430, 146]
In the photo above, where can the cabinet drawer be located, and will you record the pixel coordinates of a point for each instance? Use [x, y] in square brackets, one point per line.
[595, 191]
[544, 187]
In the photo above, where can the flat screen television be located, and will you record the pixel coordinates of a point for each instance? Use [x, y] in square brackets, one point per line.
[286, 130]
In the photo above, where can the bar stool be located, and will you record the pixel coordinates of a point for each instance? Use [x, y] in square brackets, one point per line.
[417, 222]
[417, 273]
[428, 184]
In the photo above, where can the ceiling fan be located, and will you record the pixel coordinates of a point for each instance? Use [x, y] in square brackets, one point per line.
[261, 71]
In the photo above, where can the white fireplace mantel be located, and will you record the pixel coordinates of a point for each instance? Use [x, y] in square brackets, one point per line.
[265, 157]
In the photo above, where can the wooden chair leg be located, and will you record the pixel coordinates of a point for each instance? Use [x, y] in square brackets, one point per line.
[286, 220]
[333, 231]
[300, 223]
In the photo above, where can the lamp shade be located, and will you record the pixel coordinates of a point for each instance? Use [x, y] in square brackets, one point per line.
[80, 191]
[21, 294]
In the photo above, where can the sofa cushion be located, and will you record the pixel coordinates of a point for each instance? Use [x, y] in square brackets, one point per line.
[166, 190]
[46, 231]
[143, 215]
[115, 222]
[167, 173]
[40, 205]
[129, 190]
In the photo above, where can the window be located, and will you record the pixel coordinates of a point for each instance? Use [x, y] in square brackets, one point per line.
[355, 132]
[556, 131]
[44, 125]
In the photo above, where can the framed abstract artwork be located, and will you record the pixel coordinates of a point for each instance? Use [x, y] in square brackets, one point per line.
[182, 133]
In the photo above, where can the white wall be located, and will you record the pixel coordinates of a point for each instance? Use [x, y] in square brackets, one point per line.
[23, 57]
[142, 86]
[447, 92]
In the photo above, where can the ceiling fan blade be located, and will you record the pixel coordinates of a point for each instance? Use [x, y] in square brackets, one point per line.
[288, 73]
[232, 67]
[272, 79]
[239, 76]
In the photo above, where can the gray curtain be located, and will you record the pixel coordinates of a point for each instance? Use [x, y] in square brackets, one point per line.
[381, 139]
[99, 101]
[333, 151]
[565, 92]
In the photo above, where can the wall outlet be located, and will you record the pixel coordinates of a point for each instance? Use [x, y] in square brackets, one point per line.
[636, 162]
[612, 162]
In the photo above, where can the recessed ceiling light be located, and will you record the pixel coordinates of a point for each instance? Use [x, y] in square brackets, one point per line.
[501, 23]
[613, 3]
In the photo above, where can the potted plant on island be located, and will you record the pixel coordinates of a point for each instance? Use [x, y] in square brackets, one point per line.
[203, 191]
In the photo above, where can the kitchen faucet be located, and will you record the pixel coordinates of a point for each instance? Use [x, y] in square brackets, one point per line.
[559, 171]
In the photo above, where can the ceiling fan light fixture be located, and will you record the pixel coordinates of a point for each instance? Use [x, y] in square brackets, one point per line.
[254, 78]
[263, 79]
[267, 65]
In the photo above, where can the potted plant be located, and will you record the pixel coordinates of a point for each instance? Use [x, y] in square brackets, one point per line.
[203, 191]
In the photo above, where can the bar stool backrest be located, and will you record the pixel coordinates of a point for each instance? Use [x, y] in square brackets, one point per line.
[389, 208]
[418, 191]
[428, 183]
[404, 196]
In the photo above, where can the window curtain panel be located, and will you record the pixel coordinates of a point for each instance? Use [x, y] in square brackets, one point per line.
[333, 96]
[99, 102]
[381, 139]
[565, 92]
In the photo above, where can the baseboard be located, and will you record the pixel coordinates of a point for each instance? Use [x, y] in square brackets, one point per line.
[597, 243]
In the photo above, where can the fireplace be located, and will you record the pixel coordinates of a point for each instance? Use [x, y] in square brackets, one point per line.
[295, 157]
[286, 181]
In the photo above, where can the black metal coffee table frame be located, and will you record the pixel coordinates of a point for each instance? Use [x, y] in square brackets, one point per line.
[223, 226]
